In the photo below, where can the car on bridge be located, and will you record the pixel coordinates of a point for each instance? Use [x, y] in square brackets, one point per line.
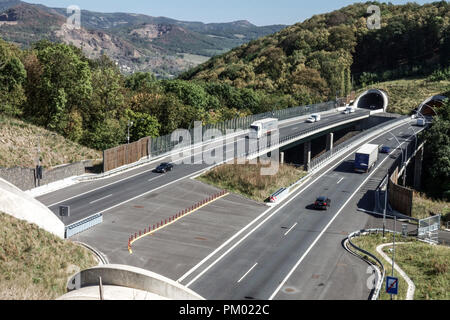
[314, 118]
[322, 203]
[164, 168]
[385, 149]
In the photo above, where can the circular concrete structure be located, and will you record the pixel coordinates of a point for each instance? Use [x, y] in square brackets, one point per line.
[429, 106]
[373, 99]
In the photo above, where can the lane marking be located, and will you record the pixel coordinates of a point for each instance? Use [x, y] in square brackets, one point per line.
[236, 140]
[291, 229]
[173, 221]
[100, 199]
[327, 226]
[344, 156]
[340, 180]
[155, 178]
[251, 269]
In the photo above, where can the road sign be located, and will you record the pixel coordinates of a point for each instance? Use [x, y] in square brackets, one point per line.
[64, 211]
[392, 285]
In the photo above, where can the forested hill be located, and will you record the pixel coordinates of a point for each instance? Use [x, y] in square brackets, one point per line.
[316, 59]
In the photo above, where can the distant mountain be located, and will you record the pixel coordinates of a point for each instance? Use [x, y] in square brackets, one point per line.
[136, 41]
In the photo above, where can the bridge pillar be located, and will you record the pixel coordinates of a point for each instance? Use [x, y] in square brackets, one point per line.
[418, 169]
[330, 141]
[307, 155]
[281, 157]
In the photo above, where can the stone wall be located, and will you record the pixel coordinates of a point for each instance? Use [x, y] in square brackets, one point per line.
[25, 178]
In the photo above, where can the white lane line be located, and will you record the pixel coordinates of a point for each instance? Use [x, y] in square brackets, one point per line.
[260, 224]
[155, 178]
[100, 199]
[246, 274]
[327, 226]
[292, 228]
[236, 140]
[340, 180]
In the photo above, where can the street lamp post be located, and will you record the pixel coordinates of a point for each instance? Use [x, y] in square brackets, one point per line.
[130, 124]
[399, 146]
[385, 204]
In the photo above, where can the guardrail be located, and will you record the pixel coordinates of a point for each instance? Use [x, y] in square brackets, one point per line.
[381, 275]
[355, 140]
[305, 132]
[279, 195]
[83, 225]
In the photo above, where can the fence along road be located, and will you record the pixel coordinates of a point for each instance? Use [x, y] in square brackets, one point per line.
[279, 255]
[84, 203]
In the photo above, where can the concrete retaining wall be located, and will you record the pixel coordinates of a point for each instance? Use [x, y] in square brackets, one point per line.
[134, 278]
[25, 178]
[22, 206]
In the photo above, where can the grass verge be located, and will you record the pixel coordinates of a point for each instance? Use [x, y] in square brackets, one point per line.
[19, 141]
[427, 266]
[246, 179]
[34, 264]
[423, 207]
[406, 95]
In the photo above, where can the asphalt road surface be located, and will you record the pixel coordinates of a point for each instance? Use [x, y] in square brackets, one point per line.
[258, 266]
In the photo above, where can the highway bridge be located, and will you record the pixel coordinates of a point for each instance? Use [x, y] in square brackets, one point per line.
[285, 252]
[95, 197]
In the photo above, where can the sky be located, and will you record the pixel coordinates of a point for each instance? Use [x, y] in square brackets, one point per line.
[259, 12]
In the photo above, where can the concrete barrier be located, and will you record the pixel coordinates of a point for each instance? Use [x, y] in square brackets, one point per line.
[127, 277]
[18, 204]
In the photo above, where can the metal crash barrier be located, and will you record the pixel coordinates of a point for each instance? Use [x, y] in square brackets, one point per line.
[83, 225]
[279, 195]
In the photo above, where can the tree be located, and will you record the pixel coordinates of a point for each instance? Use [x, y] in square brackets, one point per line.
[144, 125]
[437, 155]
[12, 79]
[63, 87]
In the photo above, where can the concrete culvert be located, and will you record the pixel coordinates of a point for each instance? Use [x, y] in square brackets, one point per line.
[373, 99]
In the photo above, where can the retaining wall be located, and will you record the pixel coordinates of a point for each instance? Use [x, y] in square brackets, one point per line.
[25, 178]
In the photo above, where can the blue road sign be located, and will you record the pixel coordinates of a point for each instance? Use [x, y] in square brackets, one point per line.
[392, 285]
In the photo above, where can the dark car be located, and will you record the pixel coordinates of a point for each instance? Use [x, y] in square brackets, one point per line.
[385, 149]
[164, 167]
[322, 203]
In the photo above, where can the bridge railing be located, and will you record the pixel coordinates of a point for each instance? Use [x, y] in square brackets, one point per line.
[313, 128]
[158, 146]
[317, 162]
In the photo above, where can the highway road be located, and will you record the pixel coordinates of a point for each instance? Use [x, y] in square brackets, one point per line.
[258, 262]
[86, 199]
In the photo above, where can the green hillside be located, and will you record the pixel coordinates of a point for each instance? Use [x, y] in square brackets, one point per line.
[331, 53]
[34, 264]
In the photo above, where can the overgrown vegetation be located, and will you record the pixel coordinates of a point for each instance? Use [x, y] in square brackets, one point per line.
[436, 167]
[19, 142]
[424, 207]
[34, 264]
[318, 58]
[246, 179]
[407, 94]
[90, 102]
[427, 266]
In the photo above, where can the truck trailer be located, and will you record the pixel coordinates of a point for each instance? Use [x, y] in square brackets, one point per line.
[263, 127]
[366, 157]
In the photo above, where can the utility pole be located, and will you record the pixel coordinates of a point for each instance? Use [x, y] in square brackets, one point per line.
[393, 251]
[385, 204]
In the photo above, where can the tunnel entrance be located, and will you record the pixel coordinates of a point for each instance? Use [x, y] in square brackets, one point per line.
[372, 100]
[429, 107]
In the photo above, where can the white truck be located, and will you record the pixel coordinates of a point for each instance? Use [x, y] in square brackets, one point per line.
[263, 127]
[366, 157]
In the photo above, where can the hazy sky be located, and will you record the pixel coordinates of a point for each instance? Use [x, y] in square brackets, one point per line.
[259, 12]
